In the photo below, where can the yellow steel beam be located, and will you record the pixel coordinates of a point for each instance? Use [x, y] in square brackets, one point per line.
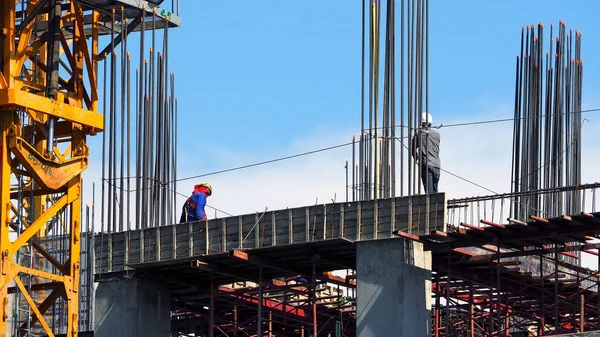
[38, 247]
[47, 173]
[38, 104]
[9, 272]
[45, 305]
[84, 48]
[34, 307]
[24, 40]
[8, 12]
[6, 274]
[35, 227]
[42, 274]
[73, 262]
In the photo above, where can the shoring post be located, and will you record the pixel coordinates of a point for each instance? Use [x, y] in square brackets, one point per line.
[471, 310]
[436, 330]
[314, 296]
[542, 322]
[211, 319]
[235, 317]
[158, 304]
[447, 325]
[260, 304]
[582, 313]
[498, 301]
[338, 332]
[491, 301]
[575, 308]
[506, 322]
[598, 291]
[284, 304]
[556, 312]
[270, 323]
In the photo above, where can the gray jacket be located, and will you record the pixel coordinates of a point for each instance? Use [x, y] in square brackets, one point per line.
[431, 147]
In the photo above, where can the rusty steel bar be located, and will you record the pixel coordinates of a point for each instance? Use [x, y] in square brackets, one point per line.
[547, 128]
[377, 151]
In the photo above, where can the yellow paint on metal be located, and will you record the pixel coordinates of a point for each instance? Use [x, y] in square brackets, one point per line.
[6, 274]
[22, 84]
[40, 104]
[42, 274]
[34, 307]
[36, 226]
[47, 173]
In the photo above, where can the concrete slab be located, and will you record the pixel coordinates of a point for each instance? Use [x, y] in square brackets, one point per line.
[393, 289]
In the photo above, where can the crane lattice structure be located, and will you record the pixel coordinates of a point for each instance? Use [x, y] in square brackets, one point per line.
[43, 107]
[49, 101]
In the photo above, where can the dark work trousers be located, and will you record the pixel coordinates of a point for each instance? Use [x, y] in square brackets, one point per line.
[431, 177]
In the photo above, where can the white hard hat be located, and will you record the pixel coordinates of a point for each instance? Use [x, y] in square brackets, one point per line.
[426, 119]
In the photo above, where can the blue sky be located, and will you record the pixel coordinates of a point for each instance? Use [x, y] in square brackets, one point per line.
[258, 75]
[263, 79]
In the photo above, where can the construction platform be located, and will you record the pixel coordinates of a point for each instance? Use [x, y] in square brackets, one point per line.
[352, 221]
[217, 272]
[283, 260]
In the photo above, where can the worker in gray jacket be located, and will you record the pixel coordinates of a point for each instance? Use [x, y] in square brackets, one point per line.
[426, 152]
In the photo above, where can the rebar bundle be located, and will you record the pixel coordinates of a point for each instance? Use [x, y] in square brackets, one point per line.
[376, 173]
[154, 119]
[547, 124]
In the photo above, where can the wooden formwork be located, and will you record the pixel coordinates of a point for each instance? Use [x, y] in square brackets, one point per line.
[360, 220]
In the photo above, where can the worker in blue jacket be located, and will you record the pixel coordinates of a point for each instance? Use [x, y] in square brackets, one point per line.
[193, 208]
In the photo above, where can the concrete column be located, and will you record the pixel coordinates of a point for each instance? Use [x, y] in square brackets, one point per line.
[393, 289]
[132, 308]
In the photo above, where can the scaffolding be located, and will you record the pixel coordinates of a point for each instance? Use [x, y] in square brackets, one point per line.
[505, 279]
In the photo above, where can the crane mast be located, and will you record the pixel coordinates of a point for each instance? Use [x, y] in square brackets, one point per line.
[49, 105]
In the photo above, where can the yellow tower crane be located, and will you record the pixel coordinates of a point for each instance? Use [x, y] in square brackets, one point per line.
[48, 106]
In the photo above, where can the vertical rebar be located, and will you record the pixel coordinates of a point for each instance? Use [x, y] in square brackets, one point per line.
[103, 179]
[376, 98]
[402, 38]
[353, 165]
[122, 123]
[111, 137]
[152, 174]
[128, 209]
[362, 103]
[547, 126]
[139, 186]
